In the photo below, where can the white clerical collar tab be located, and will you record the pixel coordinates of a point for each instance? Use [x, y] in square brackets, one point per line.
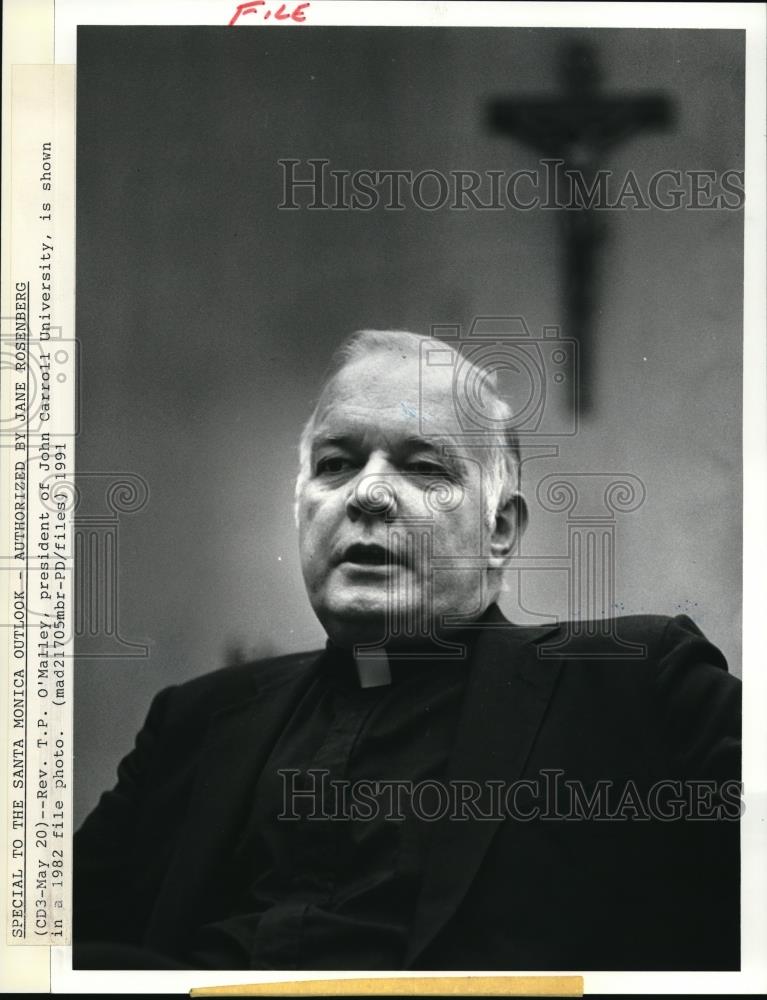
[373, 669]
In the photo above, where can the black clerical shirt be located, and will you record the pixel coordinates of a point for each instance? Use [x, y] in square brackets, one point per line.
[327, 870]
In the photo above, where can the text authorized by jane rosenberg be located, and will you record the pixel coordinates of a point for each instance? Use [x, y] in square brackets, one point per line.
[39, 423]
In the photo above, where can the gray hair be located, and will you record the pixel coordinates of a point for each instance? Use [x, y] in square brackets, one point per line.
[503, 467]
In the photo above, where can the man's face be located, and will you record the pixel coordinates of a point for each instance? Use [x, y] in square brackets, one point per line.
[391, 529]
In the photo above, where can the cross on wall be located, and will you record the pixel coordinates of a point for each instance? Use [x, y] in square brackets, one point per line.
[578, 129]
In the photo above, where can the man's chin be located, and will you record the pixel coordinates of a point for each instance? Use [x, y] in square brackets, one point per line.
[364, 620]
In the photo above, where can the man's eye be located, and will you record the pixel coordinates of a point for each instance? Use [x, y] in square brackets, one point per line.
[332, 464]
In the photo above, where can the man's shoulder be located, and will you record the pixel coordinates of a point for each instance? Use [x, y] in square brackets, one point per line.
[227, 686]
[651, 626]
[639, 638]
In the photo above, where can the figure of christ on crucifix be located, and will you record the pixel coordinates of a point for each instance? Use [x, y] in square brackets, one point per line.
[577, 130]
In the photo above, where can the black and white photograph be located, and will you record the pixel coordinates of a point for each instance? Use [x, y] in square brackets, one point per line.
[406, 498]
[410, 477]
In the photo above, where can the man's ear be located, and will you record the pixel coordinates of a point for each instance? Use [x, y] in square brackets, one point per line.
[510, 522]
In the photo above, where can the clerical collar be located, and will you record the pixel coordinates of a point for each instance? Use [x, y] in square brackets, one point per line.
[374, 668]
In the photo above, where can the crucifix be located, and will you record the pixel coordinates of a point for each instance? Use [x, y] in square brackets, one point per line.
[576, 131]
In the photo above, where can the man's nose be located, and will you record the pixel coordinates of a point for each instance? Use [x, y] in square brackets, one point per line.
[373, 491]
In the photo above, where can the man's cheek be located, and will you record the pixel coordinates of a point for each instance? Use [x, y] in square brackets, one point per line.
[308, 508]
[316, 500]
[447, 534]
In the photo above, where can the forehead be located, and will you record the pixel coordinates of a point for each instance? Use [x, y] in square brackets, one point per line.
[389, 390]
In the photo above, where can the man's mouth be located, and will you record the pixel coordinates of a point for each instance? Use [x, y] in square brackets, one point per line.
[368, 554]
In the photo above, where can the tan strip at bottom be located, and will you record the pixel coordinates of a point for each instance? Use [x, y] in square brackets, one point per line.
[419, 986]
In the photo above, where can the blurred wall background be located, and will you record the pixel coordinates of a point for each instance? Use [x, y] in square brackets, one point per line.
[206, 315]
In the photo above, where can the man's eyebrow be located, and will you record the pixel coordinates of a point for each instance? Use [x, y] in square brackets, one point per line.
[437, 448]
[409, 444]
[340, 440]
[416, 443]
